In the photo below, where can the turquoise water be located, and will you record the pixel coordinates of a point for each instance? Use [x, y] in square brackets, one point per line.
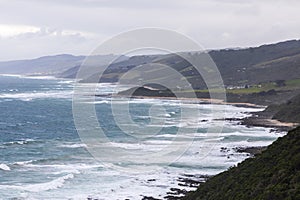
[42, 156]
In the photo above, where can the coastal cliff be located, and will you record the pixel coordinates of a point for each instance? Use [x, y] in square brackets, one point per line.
[273, 174]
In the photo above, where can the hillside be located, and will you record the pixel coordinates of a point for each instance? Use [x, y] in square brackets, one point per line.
[264, 75]
[259, 64]
[273, 174]
[259, 96]
[286, 112]
[64, 66]
[256, 67]
[239, 67]
[116, 69]
[43, 65]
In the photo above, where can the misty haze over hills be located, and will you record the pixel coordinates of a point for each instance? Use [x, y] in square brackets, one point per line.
[238, 67]
[51, 65]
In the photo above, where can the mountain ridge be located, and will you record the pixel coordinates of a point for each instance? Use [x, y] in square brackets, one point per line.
[238, 67]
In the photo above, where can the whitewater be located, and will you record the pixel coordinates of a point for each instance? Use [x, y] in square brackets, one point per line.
[43, 157]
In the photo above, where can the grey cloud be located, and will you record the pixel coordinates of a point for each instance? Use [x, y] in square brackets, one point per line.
[212, 23]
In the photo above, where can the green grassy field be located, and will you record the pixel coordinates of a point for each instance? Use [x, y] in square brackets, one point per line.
[289, 85]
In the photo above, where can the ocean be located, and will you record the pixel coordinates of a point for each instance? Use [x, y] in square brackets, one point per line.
[43, 157]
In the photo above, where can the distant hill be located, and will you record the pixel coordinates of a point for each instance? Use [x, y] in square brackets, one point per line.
[256, 65]
[238, 67]
[263, 75]
[43, 65]
[64, 65]
[273, 174]
[116, 69]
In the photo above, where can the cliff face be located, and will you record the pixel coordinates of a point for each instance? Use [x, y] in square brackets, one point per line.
[273, 174]
[289, 111]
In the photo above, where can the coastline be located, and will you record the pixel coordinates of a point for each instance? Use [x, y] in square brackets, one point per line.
[253, 120]
[194, 181]
[268, 122]
[195, 100]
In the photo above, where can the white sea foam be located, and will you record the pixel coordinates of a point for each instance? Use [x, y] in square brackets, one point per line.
[28, 96]
[116, 185]
[22, 163]
[31, 77]
[167, 115]
[59, 167]
[4, 167]
[73, 145]
[40, 77]
[20, 142]
[165, 136]
[99, 102]
[67, 81]
[144, 117]
[250, 134]
[54, 184]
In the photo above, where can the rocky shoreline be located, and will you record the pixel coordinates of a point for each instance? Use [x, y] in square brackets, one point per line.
[268, 122]
[186, 180]
[194, 181]
[256, 120]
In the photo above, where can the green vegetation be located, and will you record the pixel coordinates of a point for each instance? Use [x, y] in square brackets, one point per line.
[287, 85]
[287, 112]
[246, 90]
[250, 66]
[293, 83]
[272, 175]
[264, 87]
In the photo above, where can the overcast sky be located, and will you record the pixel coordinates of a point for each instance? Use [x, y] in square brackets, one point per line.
[33, 28]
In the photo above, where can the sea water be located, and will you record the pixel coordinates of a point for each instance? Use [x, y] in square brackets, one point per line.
[43, 157]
